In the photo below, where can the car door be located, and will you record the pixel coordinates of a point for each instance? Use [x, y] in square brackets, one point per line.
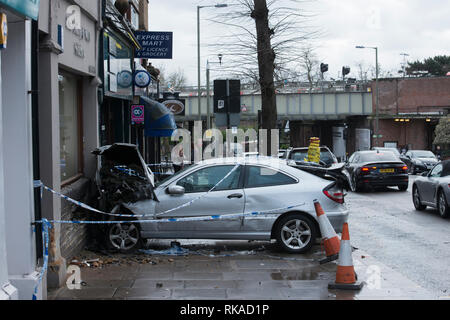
[266, 189]
[430, 185]
[226, 198]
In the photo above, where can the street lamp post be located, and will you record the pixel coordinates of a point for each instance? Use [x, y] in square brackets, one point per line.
[198, 55]
[377, 92]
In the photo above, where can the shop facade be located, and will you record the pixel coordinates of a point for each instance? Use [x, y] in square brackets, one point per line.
[68, 119]
[19, 247]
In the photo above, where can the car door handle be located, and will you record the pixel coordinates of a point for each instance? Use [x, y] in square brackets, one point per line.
[235, 195]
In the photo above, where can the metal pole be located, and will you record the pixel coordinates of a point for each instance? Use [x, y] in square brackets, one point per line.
[208, 103]
[198, 64]
[377, 97]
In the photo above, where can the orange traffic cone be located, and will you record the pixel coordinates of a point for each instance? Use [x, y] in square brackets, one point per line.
[330, 238]
[345, 273]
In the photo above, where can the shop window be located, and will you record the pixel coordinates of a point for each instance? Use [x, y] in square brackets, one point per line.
[70, 126]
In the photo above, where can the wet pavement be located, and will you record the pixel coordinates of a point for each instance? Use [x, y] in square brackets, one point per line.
[235, 270]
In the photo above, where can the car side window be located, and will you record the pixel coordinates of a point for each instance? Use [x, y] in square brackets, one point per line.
[437, 171]
[265, 177]
[205, 179]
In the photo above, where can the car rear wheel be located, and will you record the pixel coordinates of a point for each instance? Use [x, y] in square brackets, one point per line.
[416, 200]
[124, 237]
[442, 205]
[295, 233]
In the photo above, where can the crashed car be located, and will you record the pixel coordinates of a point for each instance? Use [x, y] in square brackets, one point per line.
[232, 186]
[122, 177]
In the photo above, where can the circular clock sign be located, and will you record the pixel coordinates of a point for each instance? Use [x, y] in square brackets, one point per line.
[142, 79]
[124, 79]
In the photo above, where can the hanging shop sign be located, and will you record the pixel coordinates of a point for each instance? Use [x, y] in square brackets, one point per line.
[137, 114]
[142, 79]
[3, 30]
[125, 79]
[155, 44]
[28, 8]
[177, 107]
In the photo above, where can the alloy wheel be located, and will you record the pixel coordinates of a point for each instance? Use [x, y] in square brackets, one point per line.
[296, 234]
[124, 236]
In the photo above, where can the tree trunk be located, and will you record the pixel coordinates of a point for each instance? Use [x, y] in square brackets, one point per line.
[266, 63]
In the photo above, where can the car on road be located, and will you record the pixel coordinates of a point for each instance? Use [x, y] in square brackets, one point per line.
[298, 155]
[419, 160]
[370, 169]
[433, 189]
[242, 187]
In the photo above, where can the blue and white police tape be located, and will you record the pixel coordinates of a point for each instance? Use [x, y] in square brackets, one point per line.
[39, 184]
[46, 225]
[190, 219]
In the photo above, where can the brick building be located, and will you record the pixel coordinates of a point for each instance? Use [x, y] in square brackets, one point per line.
[410, 109]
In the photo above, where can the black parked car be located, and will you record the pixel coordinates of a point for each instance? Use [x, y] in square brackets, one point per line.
[377, 169]
[419, 160]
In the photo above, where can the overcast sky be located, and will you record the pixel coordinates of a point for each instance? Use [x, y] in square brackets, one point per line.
[420, 28]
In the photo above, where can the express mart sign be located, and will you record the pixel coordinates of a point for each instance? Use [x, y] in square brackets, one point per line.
[28, 8]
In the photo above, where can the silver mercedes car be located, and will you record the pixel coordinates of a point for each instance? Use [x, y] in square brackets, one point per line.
[262, 199]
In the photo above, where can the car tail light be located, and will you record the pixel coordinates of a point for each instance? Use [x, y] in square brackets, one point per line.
[334, 193]
[405, 168]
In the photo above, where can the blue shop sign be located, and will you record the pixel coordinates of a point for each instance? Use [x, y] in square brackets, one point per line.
[155, 44]
[28, 8]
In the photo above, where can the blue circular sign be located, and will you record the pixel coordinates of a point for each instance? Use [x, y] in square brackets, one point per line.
[142, 79]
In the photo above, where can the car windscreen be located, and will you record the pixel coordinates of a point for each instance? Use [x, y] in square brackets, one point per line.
[375, 157]
[301, 155]
[423, 154]
[178, 174]
[394, 151]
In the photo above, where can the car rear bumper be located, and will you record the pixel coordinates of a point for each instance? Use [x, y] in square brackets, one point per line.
[384, 181]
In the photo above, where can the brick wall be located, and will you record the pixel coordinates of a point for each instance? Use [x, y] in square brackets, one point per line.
[73, 236]
[412, 95]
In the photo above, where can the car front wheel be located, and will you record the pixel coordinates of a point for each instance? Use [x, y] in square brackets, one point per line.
[296, 233]
[442, 205]
[124, 237]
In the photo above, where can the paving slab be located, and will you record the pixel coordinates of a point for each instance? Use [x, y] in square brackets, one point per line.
[199, 294]
[140, 293]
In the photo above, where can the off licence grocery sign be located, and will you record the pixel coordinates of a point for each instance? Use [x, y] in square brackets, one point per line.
[137, 114]
[155, 44]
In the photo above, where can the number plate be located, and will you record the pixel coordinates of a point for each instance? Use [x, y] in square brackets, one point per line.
[387, 170]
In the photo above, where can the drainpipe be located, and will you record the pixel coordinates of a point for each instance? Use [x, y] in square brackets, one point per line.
[35, 129]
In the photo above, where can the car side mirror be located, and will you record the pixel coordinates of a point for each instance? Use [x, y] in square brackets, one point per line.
[176, 190]
[425, 174]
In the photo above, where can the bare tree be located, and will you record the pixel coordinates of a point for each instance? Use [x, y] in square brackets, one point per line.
[309, 66]
[175, 80]
[260, 41]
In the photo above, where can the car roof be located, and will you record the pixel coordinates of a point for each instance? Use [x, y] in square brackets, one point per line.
[242, 160]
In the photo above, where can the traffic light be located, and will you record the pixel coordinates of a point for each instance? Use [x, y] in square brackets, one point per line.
[345, 71]
[323, 67]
